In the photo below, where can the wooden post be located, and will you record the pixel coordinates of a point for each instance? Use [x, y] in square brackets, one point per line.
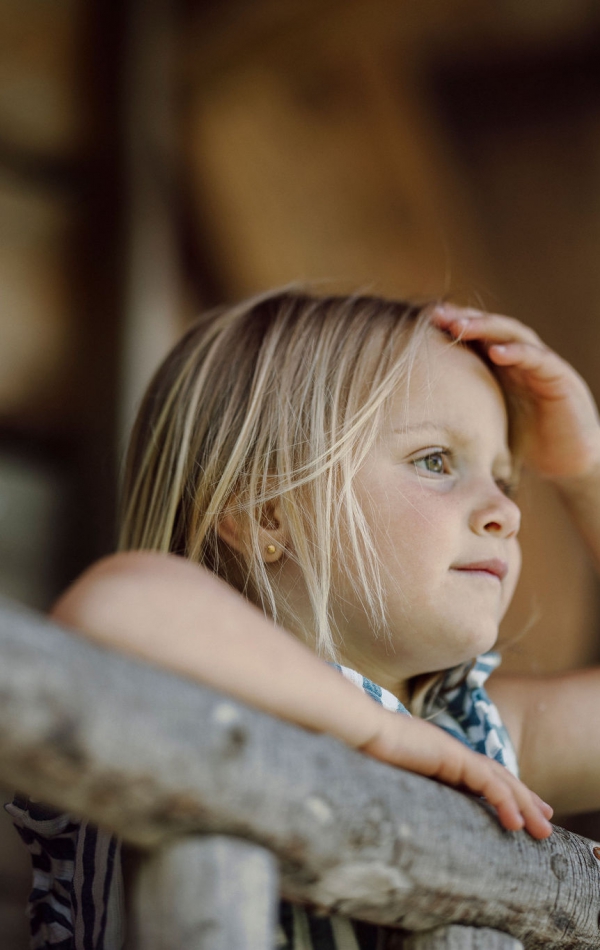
[206, 893]
[462, 938]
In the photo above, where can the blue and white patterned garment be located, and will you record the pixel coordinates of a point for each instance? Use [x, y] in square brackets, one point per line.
[462, 707]
[77, 902]
[458, 704]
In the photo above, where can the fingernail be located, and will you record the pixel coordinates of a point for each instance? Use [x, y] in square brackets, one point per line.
[500, 348]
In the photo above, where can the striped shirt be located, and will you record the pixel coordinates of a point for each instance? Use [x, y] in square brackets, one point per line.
[76, 902]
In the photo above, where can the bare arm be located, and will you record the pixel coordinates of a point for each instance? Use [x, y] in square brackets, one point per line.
[555, 725]
[174, 614]
[556, 720]
[170, 612]
[581, 497]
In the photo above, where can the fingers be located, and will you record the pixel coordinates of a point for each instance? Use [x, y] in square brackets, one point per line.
[516, 805]
[544, 807]
[510, 346]
[467, 324]
[426, 749]
[532, 368]
[546, 364]
[557, 416]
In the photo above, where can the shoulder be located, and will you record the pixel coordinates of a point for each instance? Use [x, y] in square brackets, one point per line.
[129, 580]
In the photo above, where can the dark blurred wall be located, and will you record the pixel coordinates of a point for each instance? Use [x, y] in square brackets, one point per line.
[58, 319]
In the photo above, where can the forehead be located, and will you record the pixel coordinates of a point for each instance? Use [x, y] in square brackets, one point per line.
[449, 385]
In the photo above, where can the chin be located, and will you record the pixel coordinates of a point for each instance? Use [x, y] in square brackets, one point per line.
[482, 640]
[471, 642]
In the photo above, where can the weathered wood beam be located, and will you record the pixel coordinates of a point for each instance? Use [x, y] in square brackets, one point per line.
[462, 938]
[206, 893]
[151, 756]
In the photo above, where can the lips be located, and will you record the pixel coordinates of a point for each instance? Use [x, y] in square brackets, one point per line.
[493, 566]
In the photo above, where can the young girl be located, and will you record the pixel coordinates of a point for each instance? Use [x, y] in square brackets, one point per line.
[347, 465]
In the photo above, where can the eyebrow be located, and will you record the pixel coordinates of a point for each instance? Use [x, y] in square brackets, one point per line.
[422, 425]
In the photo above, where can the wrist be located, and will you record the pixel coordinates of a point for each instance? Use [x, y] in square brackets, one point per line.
[582, 481]
[377, 744]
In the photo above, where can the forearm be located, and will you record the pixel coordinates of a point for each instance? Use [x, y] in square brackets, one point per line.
[581, 496]
[555, 724]
[172, 613]
[177, 615]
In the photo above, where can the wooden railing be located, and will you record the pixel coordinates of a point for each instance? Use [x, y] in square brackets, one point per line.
[231, 808]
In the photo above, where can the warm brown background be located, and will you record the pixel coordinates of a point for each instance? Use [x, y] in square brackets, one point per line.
[158, 157]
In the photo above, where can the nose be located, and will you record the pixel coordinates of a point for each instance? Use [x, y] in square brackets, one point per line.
[496, 514]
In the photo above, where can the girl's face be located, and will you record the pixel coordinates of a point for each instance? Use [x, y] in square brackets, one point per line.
[436, 491]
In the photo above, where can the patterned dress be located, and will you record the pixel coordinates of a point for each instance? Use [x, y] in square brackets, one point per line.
[77, 898]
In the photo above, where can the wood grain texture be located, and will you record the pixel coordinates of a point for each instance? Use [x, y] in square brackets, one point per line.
[462, 938]
[151, 756]
[207, 893]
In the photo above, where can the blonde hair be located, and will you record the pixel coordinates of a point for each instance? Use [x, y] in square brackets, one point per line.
[277, 398]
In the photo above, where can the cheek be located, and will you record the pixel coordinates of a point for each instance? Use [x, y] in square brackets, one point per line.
[425, 517]
[415, 529]
[513, 578]
[415, 533]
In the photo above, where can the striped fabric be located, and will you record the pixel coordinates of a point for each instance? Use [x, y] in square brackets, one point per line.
[76, 902]
[77, 898]
[302, 930]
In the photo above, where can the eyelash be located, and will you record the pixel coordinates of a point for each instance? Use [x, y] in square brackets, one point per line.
[508, 488]
[444, 453]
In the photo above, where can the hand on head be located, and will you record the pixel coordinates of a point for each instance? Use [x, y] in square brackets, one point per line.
[562, 429]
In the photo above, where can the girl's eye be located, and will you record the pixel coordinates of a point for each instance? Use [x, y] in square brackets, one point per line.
[435, 463]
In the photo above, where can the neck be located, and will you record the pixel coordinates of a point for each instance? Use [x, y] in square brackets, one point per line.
[381, 673]
[377, 665]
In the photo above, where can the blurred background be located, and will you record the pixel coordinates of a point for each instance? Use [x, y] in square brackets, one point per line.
[160, 157]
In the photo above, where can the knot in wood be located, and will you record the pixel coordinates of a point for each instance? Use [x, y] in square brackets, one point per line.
[319, 809]
[234, 735]
[560, 866]
[63, 740]
[596, 852]
[236, 738]
[564, 925]
[352, 885]
[374, 828]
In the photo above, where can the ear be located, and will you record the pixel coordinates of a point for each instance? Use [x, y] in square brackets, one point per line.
[273, 538]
